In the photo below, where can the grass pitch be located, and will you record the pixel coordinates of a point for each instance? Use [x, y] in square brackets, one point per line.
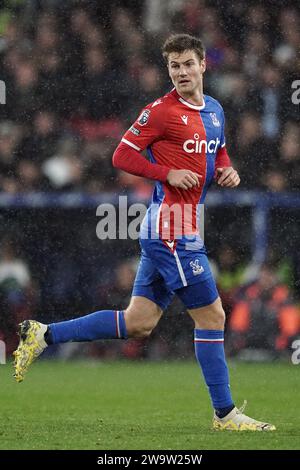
[142, 405]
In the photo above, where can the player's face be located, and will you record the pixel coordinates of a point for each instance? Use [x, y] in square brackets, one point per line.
[186, 72]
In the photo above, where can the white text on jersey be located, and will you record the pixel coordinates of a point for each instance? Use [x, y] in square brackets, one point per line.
[199, 146]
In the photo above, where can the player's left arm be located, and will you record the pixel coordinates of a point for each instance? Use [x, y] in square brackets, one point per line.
[225, 175]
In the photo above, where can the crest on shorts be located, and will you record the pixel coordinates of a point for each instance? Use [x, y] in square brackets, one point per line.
[196, 267]
[144, 116]
[215, 120]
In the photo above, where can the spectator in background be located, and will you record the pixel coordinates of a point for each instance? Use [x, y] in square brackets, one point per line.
[283, 173]
[256, 52]
[269, 95]
[52, 83]
[10, 135]
[257, 18]
[30, 177]
[64, 169]
[264, 316]
[25, 84]
[98, 171]
[275, 180]
[17, 296]
[41, 142]
[46, 34]
[119, 293]
[149, 84]
[115, 295]
[252, 153]
[286, 52]
[96, 86]
[289, 153]
[139, 187]
[229, 275]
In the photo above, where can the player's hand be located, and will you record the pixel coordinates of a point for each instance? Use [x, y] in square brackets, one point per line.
[184, 179]
[227, 177]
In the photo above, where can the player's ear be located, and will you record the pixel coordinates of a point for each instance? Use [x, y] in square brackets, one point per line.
[203, 65]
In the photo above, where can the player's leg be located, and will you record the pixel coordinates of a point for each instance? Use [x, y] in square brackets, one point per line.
[137, 320]
[205, 308]
[209, 349]
[141, 317]
[149, 298]
[200, 296]
[180, 267]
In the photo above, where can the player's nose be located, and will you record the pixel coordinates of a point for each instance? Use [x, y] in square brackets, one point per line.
[182, 71]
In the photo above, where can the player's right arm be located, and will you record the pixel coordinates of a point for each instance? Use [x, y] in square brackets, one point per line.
[183, 179]
[149, 127]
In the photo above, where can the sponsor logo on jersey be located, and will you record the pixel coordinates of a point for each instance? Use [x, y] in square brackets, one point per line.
[134, 130]
[144, 116]
[185, 119]
[214, 119]
[198, 146]
[196, 267]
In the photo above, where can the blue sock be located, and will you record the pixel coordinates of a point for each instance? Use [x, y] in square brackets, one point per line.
[209, 349]
[106, 324]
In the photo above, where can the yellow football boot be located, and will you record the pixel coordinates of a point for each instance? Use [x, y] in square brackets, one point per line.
[32, 344]
[236, 420]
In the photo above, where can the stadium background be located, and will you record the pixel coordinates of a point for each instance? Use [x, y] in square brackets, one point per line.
[77, 74]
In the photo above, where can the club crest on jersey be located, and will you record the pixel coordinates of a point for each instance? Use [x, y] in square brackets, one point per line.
[144, 116]
[196, 267]
[215, 120]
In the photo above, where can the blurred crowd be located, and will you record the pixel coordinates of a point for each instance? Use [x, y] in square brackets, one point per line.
[77, 73]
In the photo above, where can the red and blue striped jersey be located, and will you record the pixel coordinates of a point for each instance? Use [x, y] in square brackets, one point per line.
[180, 135]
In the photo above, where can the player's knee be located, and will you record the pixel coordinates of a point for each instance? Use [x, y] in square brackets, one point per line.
[217, 318]
[220, 317]
[138, 326]
[139, 332]
[212, 317]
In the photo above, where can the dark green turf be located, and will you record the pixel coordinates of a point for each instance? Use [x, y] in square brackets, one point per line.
[94, 405]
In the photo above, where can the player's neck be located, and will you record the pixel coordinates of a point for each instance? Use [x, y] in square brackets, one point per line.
[195, 98]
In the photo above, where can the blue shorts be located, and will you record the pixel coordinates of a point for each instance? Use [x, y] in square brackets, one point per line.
[184, 270]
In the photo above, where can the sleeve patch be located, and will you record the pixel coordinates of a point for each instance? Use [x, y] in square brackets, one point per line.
[144, 117]
[134, 130]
